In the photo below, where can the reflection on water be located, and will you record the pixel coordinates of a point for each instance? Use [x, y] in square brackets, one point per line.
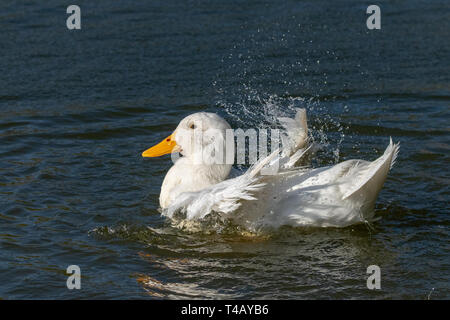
[298, 261]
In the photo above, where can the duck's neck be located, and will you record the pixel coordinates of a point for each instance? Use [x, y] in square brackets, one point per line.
[187, 176]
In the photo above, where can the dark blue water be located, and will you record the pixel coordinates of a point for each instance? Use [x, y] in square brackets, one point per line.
[79, 107]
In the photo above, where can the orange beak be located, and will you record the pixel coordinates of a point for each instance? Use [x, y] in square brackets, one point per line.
[168, 145]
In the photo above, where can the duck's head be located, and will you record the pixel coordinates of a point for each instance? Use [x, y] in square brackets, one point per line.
[200, 137]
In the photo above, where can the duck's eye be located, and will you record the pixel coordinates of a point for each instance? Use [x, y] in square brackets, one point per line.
[192, 126]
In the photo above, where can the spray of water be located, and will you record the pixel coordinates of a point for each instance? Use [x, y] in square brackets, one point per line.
[269, 75]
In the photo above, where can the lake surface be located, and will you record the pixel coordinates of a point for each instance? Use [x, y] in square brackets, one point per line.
[78, 107]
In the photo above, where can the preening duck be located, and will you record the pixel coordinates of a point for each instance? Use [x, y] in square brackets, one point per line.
[274, 191]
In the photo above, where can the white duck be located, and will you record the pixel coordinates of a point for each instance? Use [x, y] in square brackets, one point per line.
[334, 196]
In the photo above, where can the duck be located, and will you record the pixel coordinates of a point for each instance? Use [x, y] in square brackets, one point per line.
[276, 190]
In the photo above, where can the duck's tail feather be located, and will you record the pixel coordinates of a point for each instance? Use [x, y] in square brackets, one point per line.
[396, 148]
[373, 175]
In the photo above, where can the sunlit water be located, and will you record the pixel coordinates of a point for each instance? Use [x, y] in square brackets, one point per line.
[79, 107]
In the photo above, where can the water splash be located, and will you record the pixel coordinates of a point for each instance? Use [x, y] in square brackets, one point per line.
[261, 111]
[267, 75]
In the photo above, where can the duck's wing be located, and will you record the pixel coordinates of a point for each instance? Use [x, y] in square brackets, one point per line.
[296, 131]
[336, 196]
[224, 197]
[296, 143]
